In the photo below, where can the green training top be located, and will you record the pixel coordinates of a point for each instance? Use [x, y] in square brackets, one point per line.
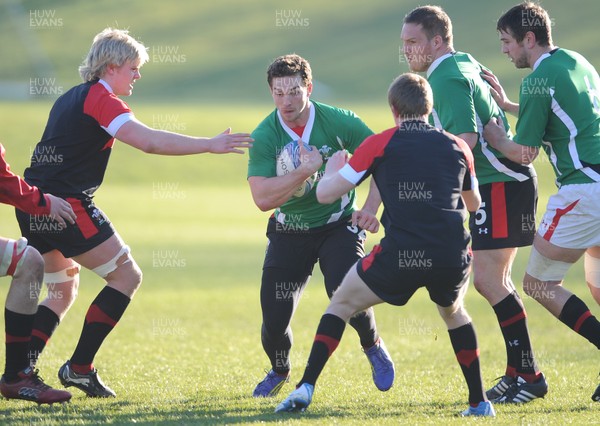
[330, 129]
[559, 110]
[462, 103]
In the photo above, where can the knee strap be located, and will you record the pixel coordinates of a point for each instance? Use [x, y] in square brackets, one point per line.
[14, 256]
[111, 265]
[592, 270]
[63, 276]
[545, 269]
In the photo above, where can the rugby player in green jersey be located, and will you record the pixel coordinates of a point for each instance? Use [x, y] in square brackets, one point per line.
[462, 104]
[558, 111]
[301, 231]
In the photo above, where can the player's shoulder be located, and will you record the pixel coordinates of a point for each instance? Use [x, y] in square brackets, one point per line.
[267, 125]
[556, 63]
[382, 137]
[333, 112]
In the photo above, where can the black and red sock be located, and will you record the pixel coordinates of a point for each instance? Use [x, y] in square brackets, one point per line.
[329, 333]
[18, 332]
[102, 316]
[578, 317]
[513, 324]
[44, 325]
[464, 343]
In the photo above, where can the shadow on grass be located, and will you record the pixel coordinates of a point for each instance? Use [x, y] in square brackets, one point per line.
[238, 409]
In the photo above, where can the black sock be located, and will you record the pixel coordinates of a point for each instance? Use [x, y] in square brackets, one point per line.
[364, 324]
[44, 325]
[464, 343]
[18, 332]
[102, 316]
[513, 324]
[329, 333]
[578, 317]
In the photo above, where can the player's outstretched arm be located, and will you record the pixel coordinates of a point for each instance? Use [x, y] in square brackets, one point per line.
[499, 94]
[495, 134]
[333, 185]
[153, 141]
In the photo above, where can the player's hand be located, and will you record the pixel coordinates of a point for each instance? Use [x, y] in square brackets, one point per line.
[311, 160]
[494, 132]
[496, 89]
[365, 220]
[228, 142]
[61, 210]
[336, 162]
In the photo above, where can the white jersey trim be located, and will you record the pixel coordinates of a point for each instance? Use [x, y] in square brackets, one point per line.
[570, 125]
[117, 122]
[351, 175]
[307, 129]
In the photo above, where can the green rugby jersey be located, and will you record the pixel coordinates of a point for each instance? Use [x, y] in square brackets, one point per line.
[330, 129]
[462, 103]
[559, 110]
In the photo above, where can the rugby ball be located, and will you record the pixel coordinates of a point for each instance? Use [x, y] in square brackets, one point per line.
[288, 160]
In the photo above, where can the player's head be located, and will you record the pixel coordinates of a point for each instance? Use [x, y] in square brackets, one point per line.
[523, 29]
[290, 81]
[410, 97]
[426, 32]
[111, 49]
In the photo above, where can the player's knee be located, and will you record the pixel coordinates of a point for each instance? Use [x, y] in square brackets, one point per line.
[130, 275]
[22, 262]
[455, 315]
[123, 269]
[480, 284]
[33, 263]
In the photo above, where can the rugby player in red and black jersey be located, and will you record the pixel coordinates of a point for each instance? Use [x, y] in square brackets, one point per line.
[427, 183]
[26, 267]
[80, 133]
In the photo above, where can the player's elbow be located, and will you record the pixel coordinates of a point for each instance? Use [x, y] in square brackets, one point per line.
[263, 206]
[263, 203]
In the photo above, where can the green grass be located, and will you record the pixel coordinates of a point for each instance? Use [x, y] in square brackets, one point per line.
[188, 349]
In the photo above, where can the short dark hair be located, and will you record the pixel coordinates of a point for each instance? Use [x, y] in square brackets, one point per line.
[410, 96]
[288, 66]
[434, 20]
[527, 17]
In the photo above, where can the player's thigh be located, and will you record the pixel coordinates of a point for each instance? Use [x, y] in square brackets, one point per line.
[572, 219]
[352, 296]
[112, 261]
[340, 250]
[506, 217]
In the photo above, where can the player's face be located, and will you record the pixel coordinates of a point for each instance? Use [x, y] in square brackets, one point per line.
[416, 47]
[514, 50]
[291, 99]
[123, 77]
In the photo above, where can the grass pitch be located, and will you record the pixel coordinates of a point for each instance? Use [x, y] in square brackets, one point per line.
[188, 349]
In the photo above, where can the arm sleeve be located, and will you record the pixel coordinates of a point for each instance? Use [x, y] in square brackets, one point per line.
[454, 107]
[262, 156]
[16, 192]
[362, 163]
[534, 111]
[107, 109]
